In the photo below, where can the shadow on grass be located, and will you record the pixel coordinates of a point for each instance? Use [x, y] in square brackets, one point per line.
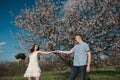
[105, 72]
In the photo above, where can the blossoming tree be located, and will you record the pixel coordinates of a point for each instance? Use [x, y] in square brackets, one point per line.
[53, 25]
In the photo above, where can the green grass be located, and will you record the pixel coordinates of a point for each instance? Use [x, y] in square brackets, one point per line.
[12, 78]
[104, 74]
[95, 74]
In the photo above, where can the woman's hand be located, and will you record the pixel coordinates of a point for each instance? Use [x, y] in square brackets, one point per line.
[24, 61]
[21, 60]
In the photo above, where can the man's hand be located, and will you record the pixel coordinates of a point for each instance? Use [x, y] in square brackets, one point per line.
[88, 69]
[89, 61]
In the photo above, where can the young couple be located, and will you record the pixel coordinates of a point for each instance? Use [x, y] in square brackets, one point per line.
[81, 61]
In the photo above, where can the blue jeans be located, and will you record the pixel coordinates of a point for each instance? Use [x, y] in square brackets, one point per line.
[81, 70]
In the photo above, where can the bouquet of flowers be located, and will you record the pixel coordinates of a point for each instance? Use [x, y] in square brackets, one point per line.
[20, 56]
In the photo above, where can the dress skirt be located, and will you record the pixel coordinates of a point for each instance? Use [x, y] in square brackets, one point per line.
[33, 69]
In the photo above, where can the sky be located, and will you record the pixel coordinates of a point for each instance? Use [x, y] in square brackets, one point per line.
[7, 42]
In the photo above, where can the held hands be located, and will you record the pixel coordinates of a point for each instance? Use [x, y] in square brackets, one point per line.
[56, 51]
[53, 52]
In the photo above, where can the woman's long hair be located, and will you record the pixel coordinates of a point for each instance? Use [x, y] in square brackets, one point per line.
[32, 49]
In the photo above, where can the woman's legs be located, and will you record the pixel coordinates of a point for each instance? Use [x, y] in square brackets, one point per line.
[37, 78]
[29, 78]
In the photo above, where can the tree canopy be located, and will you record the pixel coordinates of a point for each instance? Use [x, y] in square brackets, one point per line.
[53, 25]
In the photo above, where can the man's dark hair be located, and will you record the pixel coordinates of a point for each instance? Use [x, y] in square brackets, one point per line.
[78, 34]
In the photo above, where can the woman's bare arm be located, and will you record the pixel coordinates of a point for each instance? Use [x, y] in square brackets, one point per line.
[25, 61]
[45, 52]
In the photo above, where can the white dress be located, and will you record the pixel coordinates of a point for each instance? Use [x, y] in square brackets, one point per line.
[33, 69]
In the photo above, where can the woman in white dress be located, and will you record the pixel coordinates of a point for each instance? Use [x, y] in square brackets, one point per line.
[33, 69]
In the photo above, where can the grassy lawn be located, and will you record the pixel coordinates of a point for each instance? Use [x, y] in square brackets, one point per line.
[104, 74]
[95, 74]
